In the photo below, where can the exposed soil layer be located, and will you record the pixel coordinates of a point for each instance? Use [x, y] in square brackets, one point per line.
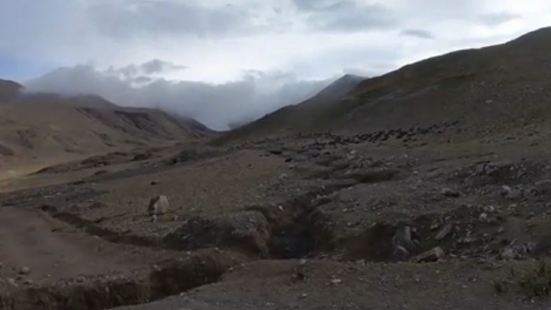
[142, 286]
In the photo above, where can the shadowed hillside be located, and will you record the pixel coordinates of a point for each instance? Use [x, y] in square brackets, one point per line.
[490, 88]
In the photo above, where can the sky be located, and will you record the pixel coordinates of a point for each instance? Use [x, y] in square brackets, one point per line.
[225, 62]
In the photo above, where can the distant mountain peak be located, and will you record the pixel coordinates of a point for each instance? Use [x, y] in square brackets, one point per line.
[341, 86]
[353, 77]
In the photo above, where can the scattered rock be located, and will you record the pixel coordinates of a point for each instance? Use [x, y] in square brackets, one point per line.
[400, 253]
[542, 187]
[433, 255]
[511, 193]
[444, 232]
[28, 282]
[100, 172]
[508, 253]
[12, 282]
[142, 156]
[24, 271]
[517, 251]
[372, 175]
[505, 190]
[483, 217]
[404, 242]
[448, 192]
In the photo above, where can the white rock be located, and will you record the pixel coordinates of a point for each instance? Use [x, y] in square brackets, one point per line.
[25, 270]
[433, 255]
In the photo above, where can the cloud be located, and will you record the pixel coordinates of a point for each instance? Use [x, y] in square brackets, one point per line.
[494, 19]
[345, 15]
[418, 33]
[125, 19]
[319, 5]
[144, 73]
[218, 39]
[159, 66]
[216, 105]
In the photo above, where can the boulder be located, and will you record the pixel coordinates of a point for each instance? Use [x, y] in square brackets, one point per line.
[24, 271]
[433, 255]
[404, 242]
[448, 192]
[444, 232]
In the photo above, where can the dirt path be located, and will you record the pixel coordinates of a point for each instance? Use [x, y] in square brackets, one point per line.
[46, 264]
[52, 251]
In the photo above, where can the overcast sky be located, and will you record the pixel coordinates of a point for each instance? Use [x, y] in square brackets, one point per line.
[265, 50]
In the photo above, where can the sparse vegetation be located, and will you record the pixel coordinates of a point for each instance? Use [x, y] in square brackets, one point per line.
[537, 282]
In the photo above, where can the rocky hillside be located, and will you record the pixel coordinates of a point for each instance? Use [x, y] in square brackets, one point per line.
[492, 88]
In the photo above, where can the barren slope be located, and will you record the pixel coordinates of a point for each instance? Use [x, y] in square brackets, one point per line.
[41, 130]
[492, 88]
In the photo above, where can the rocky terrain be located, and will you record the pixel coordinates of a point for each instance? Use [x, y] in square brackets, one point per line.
[446, 208]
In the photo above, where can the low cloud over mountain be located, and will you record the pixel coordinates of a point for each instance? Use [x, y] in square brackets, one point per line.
[216, 105]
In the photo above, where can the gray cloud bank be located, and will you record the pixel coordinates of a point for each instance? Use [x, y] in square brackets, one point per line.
[219, 40]
[216, 105]
[51, 33]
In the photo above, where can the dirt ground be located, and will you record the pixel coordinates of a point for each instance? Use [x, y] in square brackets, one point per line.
[431, 219]
[337, 285]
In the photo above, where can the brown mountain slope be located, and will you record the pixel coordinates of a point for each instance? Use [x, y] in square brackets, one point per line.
[493, 87]
[490, 88]
[41, 130]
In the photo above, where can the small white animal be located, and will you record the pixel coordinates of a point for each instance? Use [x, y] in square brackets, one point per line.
[158, 206]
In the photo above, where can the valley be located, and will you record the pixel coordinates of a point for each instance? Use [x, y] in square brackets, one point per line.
[426, 188]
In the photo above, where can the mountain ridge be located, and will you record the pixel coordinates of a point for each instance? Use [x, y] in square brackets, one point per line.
[493, 87]
[294, 114]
